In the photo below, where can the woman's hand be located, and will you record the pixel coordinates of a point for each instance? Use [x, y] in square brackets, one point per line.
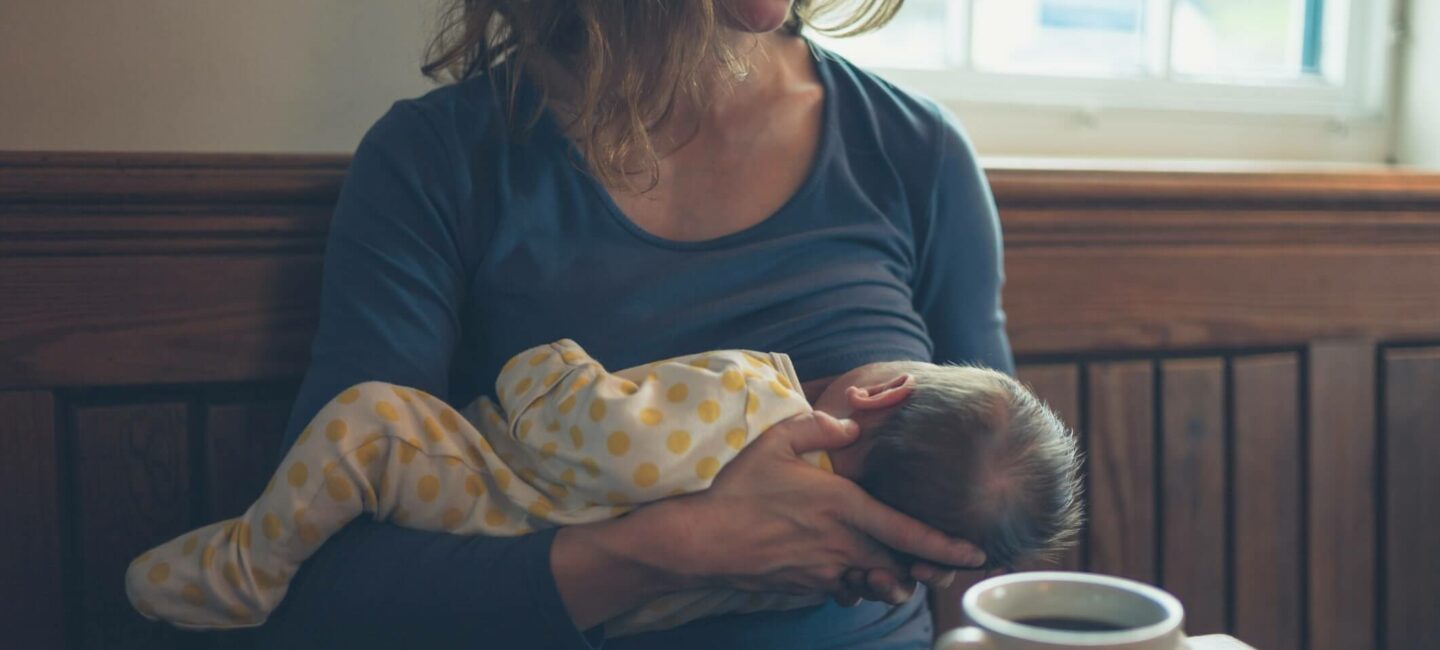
[772, 522]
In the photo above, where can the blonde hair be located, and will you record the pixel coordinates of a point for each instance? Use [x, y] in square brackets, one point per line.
[634, 61]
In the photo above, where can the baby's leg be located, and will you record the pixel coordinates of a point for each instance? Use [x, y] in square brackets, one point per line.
[393, 452]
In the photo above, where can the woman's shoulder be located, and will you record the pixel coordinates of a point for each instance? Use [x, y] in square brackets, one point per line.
[460, 119]
[906, 122]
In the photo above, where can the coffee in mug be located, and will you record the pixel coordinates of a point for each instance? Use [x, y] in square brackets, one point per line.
[1052, 610]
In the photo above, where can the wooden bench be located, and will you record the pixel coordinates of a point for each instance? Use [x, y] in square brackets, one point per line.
[1252, 361]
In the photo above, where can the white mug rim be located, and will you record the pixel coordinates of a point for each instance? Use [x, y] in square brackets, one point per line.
[1174, 612]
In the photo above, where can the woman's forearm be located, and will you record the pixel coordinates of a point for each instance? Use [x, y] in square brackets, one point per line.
[605, 569]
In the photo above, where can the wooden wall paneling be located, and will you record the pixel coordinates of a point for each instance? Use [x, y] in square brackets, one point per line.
[1059, 386]
[1268, 506]
[1193, 489]
[242, 443]
[1341, 486]
[1121, 435]
[30, 553]
[1412, 498]
[133, 491]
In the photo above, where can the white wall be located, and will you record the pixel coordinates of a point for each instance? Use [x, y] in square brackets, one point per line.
[1419, 135]
[204, 75]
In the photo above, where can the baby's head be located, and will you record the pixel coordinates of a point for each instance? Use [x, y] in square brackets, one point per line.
[967, 450]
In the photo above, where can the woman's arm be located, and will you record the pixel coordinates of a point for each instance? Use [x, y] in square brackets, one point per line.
[960, 264]
[393, 285]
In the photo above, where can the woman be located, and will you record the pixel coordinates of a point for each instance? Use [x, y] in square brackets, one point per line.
[650, 178]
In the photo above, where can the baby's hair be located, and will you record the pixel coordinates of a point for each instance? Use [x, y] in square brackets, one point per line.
[975, 454]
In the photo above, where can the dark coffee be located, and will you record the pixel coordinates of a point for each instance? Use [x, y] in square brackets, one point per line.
[1070, 624]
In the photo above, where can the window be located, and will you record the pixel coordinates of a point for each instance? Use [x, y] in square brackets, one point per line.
[1306, 57]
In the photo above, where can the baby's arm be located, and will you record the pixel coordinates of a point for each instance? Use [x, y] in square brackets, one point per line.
[595, 438]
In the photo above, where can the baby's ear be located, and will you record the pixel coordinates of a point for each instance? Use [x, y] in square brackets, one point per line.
[881, 396]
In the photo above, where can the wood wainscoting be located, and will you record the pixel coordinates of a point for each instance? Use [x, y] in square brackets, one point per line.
[1251, 360]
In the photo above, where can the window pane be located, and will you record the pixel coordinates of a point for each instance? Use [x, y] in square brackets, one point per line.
[916, 38]
[1241, 38]
[1068, 37]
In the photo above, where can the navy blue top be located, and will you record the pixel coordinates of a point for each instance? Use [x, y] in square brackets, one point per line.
[456, 244]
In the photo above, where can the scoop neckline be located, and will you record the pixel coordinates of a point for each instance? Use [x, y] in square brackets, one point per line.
[818, 162]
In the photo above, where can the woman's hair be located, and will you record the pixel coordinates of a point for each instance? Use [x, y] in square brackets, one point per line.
[632, 61]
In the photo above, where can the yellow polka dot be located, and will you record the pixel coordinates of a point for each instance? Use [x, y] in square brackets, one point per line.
[568, 476]
[758, 362]
[651, 417]
[502, 478]
[270, 525]
[452, 518]
[708, 410]
[779, 389]
[581, 381]
[521, 387]
[339, 487]
[551, 378]
[485, 446]
[617, 498]
[553, 426]
[577, 437]
[474, 486]
[193, 595]
[527, 475]
[752, 403]
[387, 410]
[401, 393]
[265, 580]
[525, 427]
[646, 475]
[541, 508]
[629, 387]
[242, 534]
[735, 438]
[677, 393]
[510, 364]
[700, 362]
[449, 420]
[548, 450]
[707, 468]
[335, 431]
[597, 410]
[824, 463]
[539, 358]
[237, 613]
[306, 531]
[298, 474]
[207, 557]
[349, 396]
[407, 450]
[433, 431]
[618, 443]
[567, 405]
[232, 574]
[495, 517]
[428, 488]
[570, 356]
[368, 452]
[678, 441]
[189, 546]
[591, 467]
[158, 573]
[732, 380]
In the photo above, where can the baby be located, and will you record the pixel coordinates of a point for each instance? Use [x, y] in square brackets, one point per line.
[967, 450]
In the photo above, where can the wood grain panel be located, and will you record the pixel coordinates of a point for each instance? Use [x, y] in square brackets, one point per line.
[242, 446]
[30, 575]
[1267, 499]
[1193, 490]
[1412, 498]
[147, 320]
[1342, 495]
[132, 483]
[1121, 435]
[1059, 386]
[1178, 297]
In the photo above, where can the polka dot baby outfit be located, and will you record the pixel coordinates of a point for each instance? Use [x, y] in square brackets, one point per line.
[570, 443]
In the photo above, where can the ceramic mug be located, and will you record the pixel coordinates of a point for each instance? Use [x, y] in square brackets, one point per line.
[1049, 610]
